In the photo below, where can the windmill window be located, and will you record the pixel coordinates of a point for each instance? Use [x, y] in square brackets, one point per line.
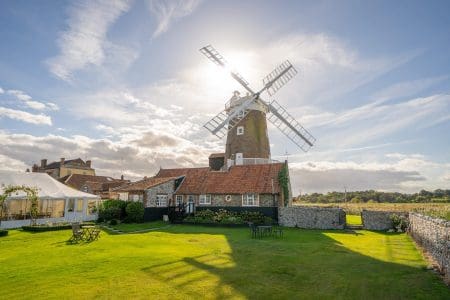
[205, 200]
[240, 130]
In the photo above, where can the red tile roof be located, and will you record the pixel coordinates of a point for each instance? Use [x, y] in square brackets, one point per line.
[78, 180]
[144, 184]
[261, 179]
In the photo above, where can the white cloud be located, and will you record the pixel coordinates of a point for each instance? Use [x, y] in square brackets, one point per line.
[1, 91]
[169, 11]
[24, 116]
[83, 43]
[29, 102]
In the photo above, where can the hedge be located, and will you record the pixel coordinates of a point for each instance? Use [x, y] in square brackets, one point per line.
[40, 228]
[3, 232]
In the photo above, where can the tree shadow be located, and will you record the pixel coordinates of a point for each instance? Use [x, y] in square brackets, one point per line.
[302, 264]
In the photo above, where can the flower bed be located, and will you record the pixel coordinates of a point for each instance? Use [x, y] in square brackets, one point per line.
[224, 217]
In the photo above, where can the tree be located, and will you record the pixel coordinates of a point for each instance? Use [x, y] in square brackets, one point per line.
[32, 196]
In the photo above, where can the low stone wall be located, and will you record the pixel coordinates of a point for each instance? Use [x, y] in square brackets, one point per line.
[311, 217]
[379, 220]
[434, 236]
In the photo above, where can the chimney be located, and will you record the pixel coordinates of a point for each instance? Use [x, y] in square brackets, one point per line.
[28, 170]
[88, 163]
[34, 168]
[43, 163]
[62, 161]
[121, 177]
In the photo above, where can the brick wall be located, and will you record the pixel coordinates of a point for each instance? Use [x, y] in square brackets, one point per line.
[434, 236]
[311, 217]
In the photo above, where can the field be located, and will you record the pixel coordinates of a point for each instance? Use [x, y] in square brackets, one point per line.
[192, 262]
[441, 210]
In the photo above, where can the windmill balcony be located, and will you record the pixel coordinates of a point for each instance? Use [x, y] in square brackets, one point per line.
[250, 161]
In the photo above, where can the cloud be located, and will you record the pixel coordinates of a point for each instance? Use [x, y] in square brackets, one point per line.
[24, 116]
[29, 102]
[167, 12]
[109, 157]
[83, 43]
[1, 91]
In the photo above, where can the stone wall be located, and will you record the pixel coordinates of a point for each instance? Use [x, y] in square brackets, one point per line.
[164, 188]
[311, 217]
[434, 236]
[379, 220]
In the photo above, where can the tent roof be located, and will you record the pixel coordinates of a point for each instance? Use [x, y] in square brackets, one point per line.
[48, 187]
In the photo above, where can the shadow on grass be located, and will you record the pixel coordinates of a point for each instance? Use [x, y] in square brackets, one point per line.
[303, 264]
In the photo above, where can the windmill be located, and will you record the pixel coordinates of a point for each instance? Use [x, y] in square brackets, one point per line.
[248, 115]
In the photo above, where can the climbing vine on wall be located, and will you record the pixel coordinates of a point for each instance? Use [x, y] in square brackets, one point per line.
[32, 196]
[283, 179]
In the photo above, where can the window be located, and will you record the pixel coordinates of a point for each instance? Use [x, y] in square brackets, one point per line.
[191, 198]
[205, 200]
[80, 205]
[250, 200]
[179, 199]
[123, 196]
[136, 198]
[85, 188]
[161, 200]
[71, 205]
[227, 198]
[240, 130]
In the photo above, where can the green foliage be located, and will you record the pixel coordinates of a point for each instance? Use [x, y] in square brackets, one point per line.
[371, 196]
[44, 228]
[223, 216]
[283, 179]
[135, 212]
[3, 232]
[113, 222]
[399, 222]
[112, 209]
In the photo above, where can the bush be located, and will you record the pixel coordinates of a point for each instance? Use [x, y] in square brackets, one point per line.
[135, 212]
[113, 222]
[399, 222]
[3, 232]
[112, 209]
[43, 228]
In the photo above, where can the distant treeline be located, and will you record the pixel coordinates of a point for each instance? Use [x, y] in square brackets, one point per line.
[374, 196]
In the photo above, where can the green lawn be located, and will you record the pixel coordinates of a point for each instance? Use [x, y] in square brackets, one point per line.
[189, 262]
[124, 227]
[354, 219]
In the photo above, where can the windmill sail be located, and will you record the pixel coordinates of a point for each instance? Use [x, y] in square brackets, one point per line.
[279, 77]
[290, 127]
[226, 120]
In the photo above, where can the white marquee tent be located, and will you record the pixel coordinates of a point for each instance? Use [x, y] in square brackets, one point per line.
[57, 202]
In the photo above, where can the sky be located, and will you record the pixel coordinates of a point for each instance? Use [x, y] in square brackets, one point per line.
[122, 83]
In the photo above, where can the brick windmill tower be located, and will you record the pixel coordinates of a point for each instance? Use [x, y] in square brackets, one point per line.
[244, 119]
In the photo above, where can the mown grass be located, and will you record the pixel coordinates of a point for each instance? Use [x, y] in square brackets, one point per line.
[194, 262]
[440, 210]
[125, 227]
[353, 219]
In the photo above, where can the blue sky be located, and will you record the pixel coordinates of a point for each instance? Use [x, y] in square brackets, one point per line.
[122, 83]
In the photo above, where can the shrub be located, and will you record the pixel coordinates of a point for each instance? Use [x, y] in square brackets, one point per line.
[3, 232]
[113, 222]
[135, 212]
[112, 209]
[399, 222]
[223, 216]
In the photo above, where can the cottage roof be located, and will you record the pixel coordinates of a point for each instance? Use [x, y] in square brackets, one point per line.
[47, 186]
[261, 179]
[78, 180]
[144, 184]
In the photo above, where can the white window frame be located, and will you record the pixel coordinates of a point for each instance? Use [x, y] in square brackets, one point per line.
[204, 199]
[250, 199]
[161, 200]
[178, 199]
[240, 130]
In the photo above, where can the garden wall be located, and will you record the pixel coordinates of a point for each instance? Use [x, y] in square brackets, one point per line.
[312, 217]
[378, 220]
[434, 236]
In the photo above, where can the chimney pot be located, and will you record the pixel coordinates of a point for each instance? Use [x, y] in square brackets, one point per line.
[88, 163]
[121, 177]
[62, 160]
